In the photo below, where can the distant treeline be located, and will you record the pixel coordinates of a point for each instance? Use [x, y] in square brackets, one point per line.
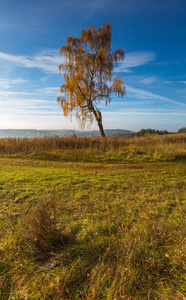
[149, 132]
[182, 130]
[33, 133]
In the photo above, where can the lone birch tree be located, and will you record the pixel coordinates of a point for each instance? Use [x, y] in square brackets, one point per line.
[88, 70]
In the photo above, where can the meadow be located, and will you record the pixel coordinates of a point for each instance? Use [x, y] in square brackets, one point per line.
[93, 218]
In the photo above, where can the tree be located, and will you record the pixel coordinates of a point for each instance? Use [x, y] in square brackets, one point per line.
[182, 130]
[88, 74]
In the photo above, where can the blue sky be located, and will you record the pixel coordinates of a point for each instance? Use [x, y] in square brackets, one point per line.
[152, 33]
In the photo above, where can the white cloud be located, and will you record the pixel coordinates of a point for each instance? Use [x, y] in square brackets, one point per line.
[42, 91]
[25, 101]
[145, 112]
[134, 59]
[48, 90]
[181, 81]
[31, 112]
[148, 80]
[145, 94]
[10, 93]
[8, 83]
[48, 61]
[18, 106]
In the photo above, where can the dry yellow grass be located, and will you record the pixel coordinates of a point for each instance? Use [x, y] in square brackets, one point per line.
[167, 147]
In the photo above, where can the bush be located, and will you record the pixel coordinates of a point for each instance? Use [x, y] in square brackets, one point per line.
[40, 229]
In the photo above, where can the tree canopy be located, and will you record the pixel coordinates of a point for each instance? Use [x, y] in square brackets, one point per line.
[88, 70]
[182, 130]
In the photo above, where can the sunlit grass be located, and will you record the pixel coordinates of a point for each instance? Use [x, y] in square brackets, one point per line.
[112, 230]
[110, 149]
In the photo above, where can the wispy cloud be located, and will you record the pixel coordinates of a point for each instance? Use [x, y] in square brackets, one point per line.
[38, 92]
[145, 94]
[135, 59]
[145, 112]
[15, 101]
[48, 61]
[16, 104]
[134, 6]
[8, 83]
[48, 90]
[180, 81]
[148, 80]
[9, 93]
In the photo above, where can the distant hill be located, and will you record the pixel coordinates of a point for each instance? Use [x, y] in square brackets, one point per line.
[30, 133]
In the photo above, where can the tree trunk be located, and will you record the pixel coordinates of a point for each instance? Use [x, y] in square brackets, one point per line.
[100, 125]
[98, 117]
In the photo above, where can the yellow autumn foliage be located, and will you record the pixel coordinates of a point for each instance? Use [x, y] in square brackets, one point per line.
[88, 74]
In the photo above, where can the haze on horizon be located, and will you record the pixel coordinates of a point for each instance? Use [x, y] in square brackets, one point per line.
[154, 70]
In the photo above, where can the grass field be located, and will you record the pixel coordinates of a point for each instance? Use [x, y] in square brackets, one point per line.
[93, 218]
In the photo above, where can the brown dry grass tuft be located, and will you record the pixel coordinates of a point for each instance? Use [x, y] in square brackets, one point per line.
[40, 229]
